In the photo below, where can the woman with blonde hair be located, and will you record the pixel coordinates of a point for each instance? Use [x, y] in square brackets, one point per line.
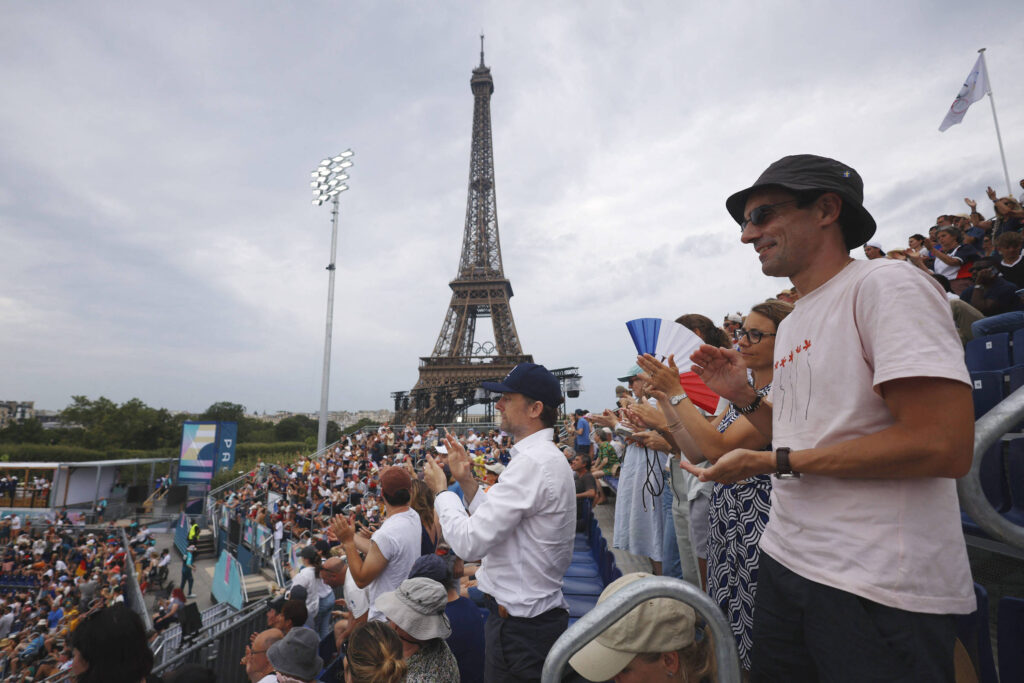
[374, 655]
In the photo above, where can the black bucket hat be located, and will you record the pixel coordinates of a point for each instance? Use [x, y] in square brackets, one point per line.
[811, 172]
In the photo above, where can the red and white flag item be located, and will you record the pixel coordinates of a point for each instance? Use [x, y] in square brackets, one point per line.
[698, 392]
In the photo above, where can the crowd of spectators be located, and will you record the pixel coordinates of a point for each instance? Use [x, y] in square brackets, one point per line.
[976, 258]
[52, 575]
[377, 594]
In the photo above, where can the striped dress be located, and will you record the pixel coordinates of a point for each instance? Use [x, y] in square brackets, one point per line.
[737, 516]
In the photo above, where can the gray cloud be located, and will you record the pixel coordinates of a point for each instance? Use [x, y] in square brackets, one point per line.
[157, 239]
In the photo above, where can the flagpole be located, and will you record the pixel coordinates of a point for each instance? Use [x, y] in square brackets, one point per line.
[999, 137]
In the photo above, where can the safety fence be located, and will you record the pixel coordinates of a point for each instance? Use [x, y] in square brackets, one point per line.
[218, 646]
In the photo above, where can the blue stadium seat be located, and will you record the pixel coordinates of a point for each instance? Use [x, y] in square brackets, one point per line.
[580, 604]
[1015, 481]
[1010, 637]
[582, 585]
[1017, 341]
[972, 630]
[987, 391]
[613, 482]
[581, 543]
[988, 353]
[584, 570]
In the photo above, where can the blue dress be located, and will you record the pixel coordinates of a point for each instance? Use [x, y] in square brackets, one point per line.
[737, 516]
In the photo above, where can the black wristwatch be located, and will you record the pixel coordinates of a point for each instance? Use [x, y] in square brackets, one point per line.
[783, 470]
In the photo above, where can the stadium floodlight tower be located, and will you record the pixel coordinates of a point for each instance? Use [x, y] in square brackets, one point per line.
[328, 183]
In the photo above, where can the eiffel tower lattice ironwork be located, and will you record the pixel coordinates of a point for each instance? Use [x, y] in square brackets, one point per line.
[449, 376]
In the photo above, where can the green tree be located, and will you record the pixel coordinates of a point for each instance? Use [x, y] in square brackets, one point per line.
[27, 431]
[224, 411]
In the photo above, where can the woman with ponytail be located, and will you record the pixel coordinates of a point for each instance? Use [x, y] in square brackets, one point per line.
[374, 655]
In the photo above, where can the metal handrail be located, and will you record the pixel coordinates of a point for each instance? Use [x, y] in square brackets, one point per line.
[241, 617]
[617, 605]
[987, 431]
[138, 601]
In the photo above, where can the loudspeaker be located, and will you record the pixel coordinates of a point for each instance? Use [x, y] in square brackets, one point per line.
[176, 495]
[137, 493]
[234, 531]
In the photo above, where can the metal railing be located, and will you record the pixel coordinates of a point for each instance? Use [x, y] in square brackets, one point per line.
[169, 642]
[134, 593]
[1001, 419]
[616, 606]
[221, 645]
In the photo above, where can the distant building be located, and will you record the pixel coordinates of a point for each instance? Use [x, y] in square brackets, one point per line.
[16, 411]
[344, 418]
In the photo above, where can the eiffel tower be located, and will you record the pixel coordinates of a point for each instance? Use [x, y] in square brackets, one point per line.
[450, 376]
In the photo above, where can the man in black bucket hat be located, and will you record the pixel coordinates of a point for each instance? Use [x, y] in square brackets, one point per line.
[863, 563]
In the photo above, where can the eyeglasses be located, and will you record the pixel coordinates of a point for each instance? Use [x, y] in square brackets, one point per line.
[760, 215]
[753, 336]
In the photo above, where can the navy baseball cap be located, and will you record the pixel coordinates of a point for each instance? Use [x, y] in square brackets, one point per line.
[811, 172]
[529, 379]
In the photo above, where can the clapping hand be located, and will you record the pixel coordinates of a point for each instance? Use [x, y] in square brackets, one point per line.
[653, 440]
[658, 375]
[458, 459]
[736, 465]
[341, 529]
[433, 476]
[646, 415]
[722, 370]
[971, 203]
[604, 419]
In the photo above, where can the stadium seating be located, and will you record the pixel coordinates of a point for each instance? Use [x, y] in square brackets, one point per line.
[592, 565]
[972, 630]
[987, 390]
[988, 353]
[1009, 637]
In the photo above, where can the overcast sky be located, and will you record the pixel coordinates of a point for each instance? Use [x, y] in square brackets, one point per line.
[157, 238]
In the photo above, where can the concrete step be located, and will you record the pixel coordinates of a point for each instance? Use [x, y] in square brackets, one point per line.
[257, 587]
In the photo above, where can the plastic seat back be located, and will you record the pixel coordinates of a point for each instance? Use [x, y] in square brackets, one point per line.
[1010, 638]
[972, 630]
[991, 352]
[987, 391]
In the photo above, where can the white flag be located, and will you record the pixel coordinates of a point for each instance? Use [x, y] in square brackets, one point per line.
[974, 88]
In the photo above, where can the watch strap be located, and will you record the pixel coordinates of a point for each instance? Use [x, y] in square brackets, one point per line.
[783, 468]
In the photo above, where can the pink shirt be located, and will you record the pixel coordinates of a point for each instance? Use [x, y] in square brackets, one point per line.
[897, 542]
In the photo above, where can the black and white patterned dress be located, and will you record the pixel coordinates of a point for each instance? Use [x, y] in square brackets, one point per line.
[737, 516]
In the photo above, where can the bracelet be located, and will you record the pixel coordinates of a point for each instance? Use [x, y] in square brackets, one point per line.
[754, 405]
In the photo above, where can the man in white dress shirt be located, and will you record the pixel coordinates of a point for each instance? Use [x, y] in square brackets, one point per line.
[522, 527]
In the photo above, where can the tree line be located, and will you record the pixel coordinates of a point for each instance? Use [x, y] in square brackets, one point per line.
[102, 424]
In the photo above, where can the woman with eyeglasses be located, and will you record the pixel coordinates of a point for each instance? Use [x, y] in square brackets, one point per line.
[738, 512]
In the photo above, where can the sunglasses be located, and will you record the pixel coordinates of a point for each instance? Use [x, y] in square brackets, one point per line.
[760, 215]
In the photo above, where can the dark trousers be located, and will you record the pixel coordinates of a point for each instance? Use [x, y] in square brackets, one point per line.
[186, 577]
[807, 631]
[515, 647]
